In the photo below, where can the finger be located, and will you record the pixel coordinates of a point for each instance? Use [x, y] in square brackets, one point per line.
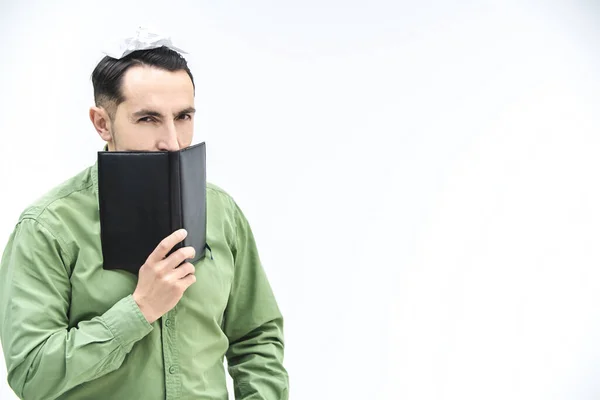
[163, 248]
[187, 281]
[183, 270]
[177, 257]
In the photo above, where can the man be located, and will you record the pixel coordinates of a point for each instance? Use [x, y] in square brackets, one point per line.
[73, 330]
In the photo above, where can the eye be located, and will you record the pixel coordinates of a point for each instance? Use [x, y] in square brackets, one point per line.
[185, 116]
[146, 119]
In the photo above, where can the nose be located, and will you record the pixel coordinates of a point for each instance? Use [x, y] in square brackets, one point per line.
[169, 141]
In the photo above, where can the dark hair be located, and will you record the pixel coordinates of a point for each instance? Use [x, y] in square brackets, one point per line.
[108, 74]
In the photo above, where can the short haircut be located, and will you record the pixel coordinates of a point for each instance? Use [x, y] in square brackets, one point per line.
[108, 75]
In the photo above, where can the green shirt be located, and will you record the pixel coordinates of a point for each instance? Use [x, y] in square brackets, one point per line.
[71, 330]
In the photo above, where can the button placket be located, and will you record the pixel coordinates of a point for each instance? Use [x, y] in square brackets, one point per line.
[171, 356]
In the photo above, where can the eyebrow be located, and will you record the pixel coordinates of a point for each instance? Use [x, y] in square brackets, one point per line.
[147, 112]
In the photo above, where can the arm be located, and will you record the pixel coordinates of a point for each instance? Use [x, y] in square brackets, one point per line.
[44, 357]
[253, 324]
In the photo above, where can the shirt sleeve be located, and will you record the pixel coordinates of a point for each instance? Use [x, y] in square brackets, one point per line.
[254, 324]
[44, 357]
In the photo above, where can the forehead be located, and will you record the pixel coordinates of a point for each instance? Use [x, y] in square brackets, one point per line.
[150, 87]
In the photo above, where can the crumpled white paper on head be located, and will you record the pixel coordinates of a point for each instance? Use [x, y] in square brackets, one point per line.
[142, 40]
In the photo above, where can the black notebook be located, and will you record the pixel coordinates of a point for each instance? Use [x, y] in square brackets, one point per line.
[146, 196]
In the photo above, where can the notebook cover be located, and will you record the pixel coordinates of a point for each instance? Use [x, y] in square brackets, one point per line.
[192, 180]
[146, 196]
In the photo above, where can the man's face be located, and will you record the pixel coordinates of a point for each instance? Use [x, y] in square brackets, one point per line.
[157, 113]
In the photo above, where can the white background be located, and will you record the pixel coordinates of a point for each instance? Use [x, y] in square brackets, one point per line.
[421, 176]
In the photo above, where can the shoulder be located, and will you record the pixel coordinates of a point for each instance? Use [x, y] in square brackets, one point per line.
[215, 193]
[212, 188]
[46, 220]
[58, 204]
[222, 202]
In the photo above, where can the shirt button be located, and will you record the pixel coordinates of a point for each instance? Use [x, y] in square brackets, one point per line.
[168, 322]
[172, 370]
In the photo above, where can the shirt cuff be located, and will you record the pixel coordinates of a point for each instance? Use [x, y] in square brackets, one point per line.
[126, 322]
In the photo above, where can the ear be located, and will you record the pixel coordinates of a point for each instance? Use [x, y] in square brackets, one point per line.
[101, 121]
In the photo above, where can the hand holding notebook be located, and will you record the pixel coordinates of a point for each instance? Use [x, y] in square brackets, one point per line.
[163, 280]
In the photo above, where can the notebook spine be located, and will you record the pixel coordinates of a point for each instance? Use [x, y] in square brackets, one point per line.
[175, 190]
